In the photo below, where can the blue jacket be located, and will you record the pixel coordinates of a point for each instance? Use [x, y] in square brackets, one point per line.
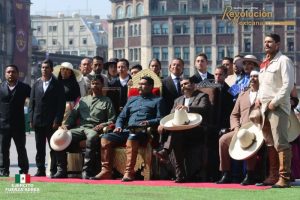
[141, 108]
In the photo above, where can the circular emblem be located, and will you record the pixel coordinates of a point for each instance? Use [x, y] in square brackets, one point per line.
[21, 40]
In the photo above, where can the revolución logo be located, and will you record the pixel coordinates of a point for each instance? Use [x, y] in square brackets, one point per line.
[22, 185]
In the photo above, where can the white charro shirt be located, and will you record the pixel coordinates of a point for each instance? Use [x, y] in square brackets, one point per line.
[276, 82]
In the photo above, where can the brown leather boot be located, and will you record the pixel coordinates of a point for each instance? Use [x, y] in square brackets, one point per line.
[273, 168]
[106, 160]
[285, 158]
[131, 154]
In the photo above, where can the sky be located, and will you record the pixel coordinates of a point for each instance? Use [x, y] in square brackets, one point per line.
[52, 7]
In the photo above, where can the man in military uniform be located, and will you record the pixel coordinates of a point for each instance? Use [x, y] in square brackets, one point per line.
[94, 112]
[139, 112]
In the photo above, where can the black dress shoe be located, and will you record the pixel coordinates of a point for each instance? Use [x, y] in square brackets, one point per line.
[4, 174]
[40, 173]
[226, 178]
[248, 180]
[60, 174]
[85, 175]
[180, 180]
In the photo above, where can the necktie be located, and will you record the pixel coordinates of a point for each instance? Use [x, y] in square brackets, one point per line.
[178, 85]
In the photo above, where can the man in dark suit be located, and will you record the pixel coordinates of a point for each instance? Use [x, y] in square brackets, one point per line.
[13, 94]
[201, 64]
[171, 85]
[46, 111]
[182, 142]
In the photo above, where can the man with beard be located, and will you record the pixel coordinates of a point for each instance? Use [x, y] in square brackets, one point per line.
[276, 83]
[139, 113]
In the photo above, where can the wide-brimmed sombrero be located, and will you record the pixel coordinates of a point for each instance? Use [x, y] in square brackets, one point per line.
[181, 120]
[60, 140]
[246, 142]
[67, 65]
[250, 58]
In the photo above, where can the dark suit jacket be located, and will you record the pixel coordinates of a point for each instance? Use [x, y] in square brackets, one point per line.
[198, 103]
[49, 107]
[12, 105]
[169, 93]
[124, 90]
[198, 78]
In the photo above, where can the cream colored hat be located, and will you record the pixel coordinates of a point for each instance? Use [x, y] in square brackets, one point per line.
[293, 127]
[246, 142]
[60, 140]
[180, 120]
[250, 58]
[67, 65]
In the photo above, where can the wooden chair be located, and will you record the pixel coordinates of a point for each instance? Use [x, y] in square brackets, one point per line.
[144, 158]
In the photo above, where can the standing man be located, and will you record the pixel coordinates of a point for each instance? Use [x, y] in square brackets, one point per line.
[171, 85]
[228, 63]
[97, 66]
[83, 82]
[13, 94]
[46, 111]
[201, 64]
[276, 82]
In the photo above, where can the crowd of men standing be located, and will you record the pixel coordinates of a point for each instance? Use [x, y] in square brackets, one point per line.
[59, 102]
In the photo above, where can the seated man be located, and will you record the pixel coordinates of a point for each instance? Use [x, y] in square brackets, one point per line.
[138, 113]
[193, 101]
[94, 112]
[239, 116]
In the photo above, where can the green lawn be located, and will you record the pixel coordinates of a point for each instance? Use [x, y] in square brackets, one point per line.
[55, 191]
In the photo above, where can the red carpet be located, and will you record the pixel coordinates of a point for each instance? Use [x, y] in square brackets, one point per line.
[160, 183]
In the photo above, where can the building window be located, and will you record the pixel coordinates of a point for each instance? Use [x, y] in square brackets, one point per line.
[52, 28]
[199, 26]
[204, 6]
[156, 52]
[177, 52]
[71, 28]
[186, 71]
[268, 28]
[229, 27]
[221, 52]
[290, 28]
[90, 53]
[221, 27]
[54, 42]
[229, 51]
[74, 53]
[165, 28]
[139, 10]
[181, 28]
[207, 28]
[186, 53]
[120, 12]
[183, 7]
[134, 30]
[247, 45]
[162, 6]
[67, 53]
[42, 42]
[119, 53]
[119, 31]
[84, 41]
[71, 42]
[129, 11]
[156, 29]
[247, 28]
[226, 3]
[290, 44]
[164, 55]
[198, 50]
[208, 52]
[39, 28]
[290, 11]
